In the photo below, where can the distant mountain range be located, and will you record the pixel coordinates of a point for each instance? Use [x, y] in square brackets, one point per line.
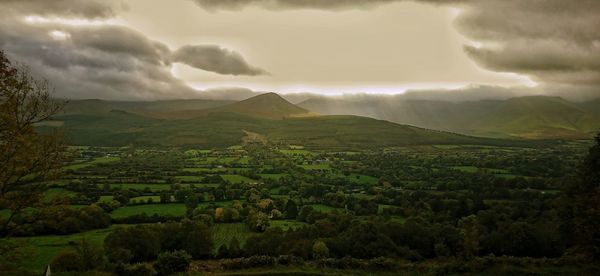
[217, 123]
[534, 117]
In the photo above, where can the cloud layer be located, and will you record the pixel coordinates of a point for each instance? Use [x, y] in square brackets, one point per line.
[215, 59]
[302, 4]
[100, 59]
[556, 42]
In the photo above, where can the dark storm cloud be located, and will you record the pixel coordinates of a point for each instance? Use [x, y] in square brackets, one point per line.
[102, 60]
[82, 67]
[554, 41]
[85, 8]
[215, 59]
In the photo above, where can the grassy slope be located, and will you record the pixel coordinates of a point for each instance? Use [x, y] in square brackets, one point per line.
[530, 117]
[100, 106]
[537, 117]
[226, 129]
[268, 115]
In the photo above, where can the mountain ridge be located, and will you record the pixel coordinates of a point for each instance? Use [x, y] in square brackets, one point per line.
[533, 117]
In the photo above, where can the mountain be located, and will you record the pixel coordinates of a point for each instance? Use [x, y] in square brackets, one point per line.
[267, 116]
[140, 107]
[537, 117]
[268, 105]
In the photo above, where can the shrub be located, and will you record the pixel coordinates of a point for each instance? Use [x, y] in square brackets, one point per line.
[320, 250]
[251, 262]
[139, 243]
[85, 257]
[172, 262]
[66, 261]
[139, 269]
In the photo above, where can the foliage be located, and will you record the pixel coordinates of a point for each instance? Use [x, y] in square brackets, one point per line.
[132, 244]
[138, 269]
[172, 262]
[28, 157]
[584, 202]
[320, 250]
[85, 257]
[144, 242]
[258, 221]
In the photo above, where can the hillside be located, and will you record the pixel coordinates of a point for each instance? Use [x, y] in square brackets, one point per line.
[538, 117]
[266, 106]
[222, 129]
[148, 108]
[269, 105]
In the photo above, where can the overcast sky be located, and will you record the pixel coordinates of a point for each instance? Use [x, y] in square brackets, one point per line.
[156, 49]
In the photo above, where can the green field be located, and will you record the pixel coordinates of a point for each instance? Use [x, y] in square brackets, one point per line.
[190, 178]
[468, 169]
[322, 166]
[42, 249]
[197, 152]
[224, 232]
[234, 178]
[105, 199]
[155, 199]
[274, 176]
[324, 208]
[296, 151]
[99, 160]
[362, 179]
[140, 186]
[57, 192]
[209, 170]
[171, 209]
[497, 172]
[287, 224]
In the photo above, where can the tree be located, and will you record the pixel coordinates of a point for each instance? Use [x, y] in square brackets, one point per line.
[584, 202]
[291, 209]
[172, 262]
[470, 231]
[258, 221]
[85, 257]
[223, 252]
[132, 244]
[234, 248]
[320, 250]
[66, 261]
[28, 158]
[165, 197]
[197, 239]
[305, 212]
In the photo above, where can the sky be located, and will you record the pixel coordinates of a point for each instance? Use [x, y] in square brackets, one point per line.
[164, 49]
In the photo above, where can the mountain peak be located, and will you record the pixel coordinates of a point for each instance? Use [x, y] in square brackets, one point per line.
[268, 105]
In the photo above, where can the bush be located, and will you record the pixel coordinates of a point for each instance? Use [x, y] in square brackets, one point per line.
[172, 262]
[253, 261]
[139, 269]
[289, 260]
[132, 244]
[85, 257]
[66, 261]
[320, 250]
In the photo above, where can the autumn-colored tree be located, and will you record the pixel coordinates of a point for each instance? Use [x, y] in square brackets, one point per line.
[28, 158]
